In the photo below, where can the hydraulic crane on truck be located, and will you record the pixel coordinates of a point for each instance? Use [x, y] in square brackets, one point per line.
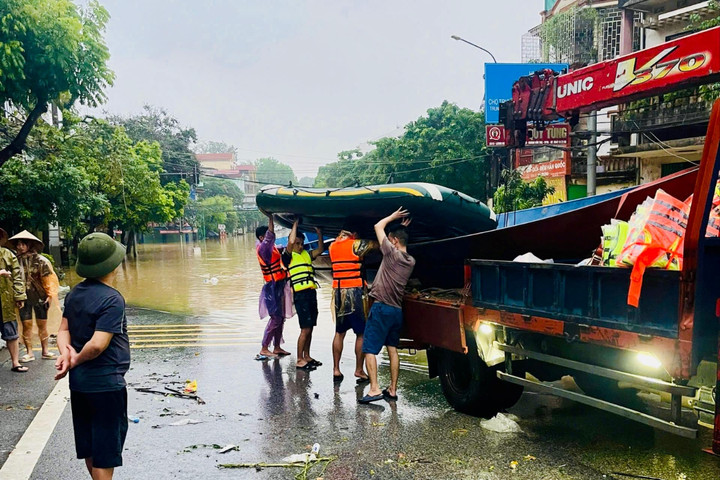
[547, 96]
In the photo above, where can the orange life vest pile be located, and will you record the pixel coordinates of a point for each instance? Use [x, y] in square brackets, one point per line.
[654, 239]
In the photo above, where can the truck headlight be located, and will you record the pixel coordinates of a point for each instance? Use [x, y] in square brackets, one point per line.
[649, 360]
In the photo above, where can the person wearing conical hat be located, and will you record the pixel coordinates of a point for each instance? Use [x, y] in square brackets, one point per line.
[12, 296]
[95, 349]
[41, 287]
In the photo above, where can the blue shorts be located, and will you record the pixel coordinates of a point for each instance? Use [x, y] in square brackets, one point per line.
[9, 330]
[383, 328]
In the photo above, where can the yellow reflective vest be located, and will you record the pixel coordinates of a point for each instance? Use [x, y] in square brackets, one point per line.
[302, 275]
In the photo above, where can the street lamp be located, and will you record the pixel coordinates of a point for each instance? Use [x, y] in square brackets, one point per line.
[455, 37]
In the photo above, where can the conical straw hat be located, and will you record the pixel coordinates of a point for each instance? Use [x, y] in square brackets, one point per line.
[29, 238]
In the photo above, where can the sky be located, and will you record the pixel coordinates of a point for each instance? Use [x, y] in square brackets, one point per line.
[303, 80]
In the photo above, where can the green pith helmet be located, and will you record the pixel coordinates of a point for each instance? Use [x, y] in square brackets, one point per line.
[98, 255]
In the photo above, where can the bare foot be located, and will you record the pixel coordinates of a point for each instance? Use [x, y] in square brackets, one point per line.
[266, 352]
[280, 351]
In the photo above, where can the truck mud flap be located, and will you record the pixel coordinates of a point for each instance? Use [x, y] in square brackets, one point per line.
[602, 405]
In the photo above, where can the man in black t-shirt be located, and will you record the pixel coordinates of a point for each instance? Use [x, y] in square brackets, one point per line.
[95, 349]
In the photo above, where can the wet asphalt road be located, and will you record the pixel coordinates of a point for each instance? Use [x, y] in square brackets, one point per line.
[271, 410]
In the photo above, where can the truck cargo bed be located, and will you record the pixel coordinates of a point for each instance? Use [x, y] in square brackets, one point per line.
[587, 295]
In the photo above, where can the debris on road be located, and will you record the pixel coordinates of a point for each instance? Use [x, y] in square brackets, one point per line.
[190, 386]
[228, 448]
[302, 475]
[501, 424]
[169, 412]
[171, 392]
[185, 421]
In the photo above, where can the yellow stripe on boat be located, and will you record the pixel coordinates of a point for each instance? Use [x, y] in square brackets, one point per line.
[348, 193]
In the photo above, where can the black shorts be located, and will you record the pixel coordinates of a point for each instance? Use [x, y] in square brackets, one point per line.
[306, 307]
[100, 423]
[34, 302]
[349, 308]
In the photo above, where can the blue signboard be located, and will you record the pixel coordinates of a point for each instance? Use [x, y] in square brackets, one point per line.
[499, 79]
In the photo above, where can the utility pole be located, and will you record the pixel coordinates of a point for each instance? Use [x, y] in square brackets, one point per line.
[592, 153]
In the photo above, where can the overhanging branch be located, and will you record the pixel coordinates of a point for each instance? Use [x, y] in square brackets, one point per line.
[18, 143]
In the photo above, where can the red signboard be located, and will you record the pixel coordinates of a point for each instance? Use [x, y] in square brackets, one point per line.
[554, 134]
[495, 135]
[551, 169]
[684, 60]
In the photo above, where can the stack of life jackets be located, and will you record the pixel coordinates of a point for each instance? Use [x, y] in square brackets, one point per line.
[654, 239]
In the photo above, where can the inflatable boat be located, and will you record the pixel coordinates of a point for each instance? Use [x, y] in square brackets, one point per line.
[437, 212]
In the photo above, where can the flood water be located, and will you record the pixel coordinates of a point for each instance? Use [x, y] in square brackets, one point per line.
[216, 281]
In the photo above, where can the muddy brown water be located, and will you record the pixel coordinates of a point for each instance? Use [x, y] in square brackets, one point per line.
[216, 281]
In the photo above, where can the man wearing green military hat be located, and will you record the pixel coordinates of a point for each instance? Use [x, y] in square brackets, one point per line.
[95, 349]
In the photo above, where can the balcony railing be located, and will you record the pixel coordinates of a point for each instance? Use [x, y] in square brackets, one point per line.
[682, 111]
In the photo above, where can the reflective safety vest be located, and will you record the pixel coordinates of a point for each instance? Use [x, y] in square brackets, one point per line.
[713, 226]
[275, 271]
[302, 274]
[614, 236]
[661, 243]
[346, 266]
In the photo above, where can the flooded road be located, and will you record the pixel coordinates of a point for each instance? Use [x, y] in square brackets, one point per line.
[186, 326]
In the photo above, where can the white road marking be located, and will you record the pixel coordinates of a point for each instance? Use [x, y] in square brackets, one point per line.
[22, 460]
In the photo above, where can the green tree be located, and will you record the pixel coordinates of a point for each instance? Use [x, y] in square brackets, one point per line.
[156, 125]
[50, 52]
[214, 186]
[212, 146]
[446, 147]
[270, 170]
[215, 210]
[85, 175]
[515, 194]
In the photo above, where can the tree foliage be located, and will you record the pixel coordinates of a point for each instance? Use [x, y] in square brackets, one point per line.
[447, 147]
[515, 194]
[212, 146]
[157, 125]
[214, 186]
[270, 170]
[85, 175]
[50, 52]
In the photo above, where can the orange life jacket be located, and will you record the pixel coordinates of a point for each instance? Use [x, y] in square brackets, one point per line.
[274, 271]
[346, 266]
[664, 230]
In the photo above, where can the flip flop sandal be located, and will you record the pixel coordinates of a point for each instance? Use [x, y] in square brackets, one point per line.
[361, 380]
[49, 356]
[19, 369]
[27, 358]
[387, 395]
[370, 398]
[259, 357]
[282, 354]
[338, 378]
[315, 363]
[308, 367]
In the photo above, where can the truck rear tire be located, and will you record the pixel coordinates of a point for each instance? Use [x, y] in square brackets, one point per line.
[471, 387]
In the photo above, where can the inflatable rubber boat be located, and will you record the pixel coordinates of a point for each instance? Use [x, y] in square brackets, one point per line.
[437, 212]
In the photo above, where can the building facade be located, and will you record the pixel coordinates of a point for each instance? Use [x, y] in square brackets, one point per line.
[641, 141]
